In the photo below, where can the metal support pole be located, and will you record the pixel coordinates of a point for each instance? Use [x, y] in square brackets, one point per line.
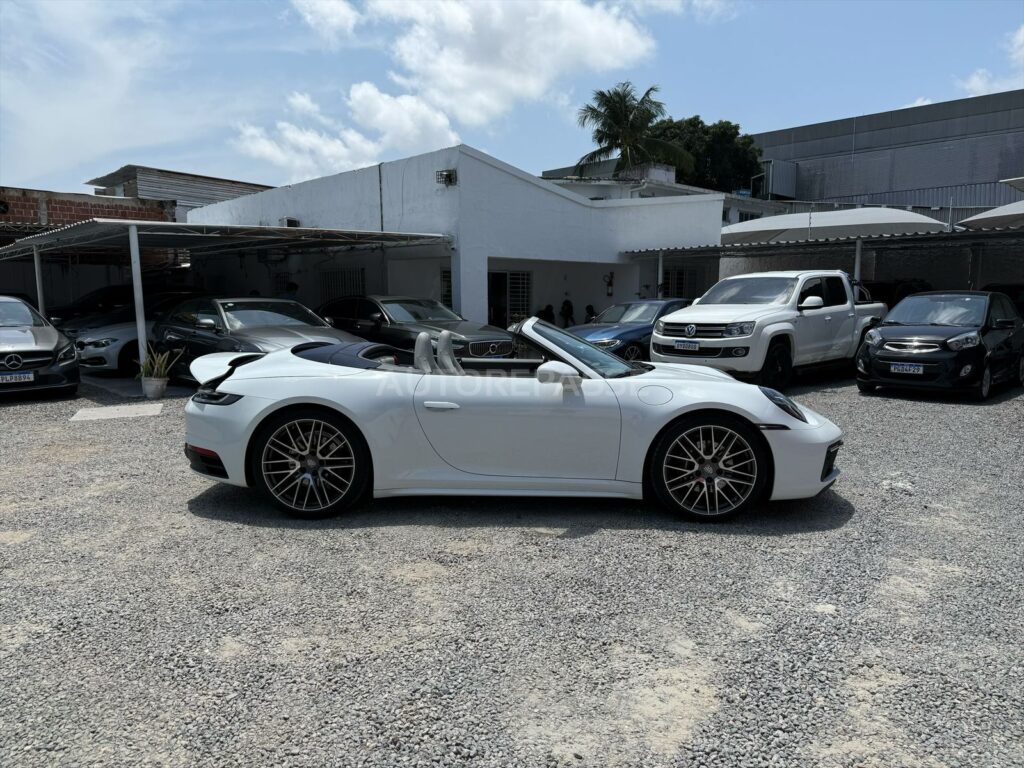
[140, 309]
[856, 262]
[661, 274]
[40, 301]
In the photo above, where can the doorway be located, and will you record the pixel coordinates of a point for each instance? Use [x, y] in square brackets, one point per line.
[497, 299]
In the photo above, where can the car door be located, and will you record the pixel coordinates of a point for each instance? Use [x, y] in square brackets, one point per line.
[342, 313]
[175, 332]
[1001, 341]
[369, 321]
[520, 427]
[205, 341]
[812, 326]
[840, 322]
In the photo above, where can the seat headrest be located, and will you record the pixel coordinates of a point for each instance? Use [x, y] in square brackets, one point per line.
[423, 355]
[446, 355]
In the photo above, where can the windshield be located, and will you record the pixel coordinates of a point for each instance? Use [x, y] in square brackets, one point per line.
[418, 310]
[250, 314]
[629, 313]
[751, 290]
[938, 310]
[14, 314]
[606, 364]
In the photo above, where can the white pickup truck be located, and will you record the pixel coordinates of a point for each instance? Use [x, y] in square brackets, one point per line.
[767, 323]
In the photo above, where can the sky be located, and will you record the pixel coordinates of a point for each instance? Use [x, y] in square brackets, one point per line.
[277, 91]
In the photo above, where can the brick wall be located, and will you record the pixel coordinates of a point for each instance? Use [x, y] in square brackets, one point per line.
[60, 208]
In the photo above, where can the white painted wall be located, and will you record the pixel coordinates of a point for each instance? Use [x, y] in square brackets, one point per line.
[494, 212]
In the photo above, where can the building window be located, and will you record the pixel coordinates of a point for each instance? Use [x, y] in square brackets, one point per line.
[691, 279]
[725, 215]
[747, 216]
[446, 287]
[520, 291]
[342, 282]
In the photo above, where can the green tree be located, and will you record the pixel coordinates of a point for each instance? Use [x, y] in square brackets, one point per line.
[621, 122]
[723, 158]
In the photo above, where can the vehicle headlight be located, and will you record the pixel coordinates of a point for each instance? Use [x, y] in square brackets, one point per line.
[607, 343]
[659, 327]
[873, 338]
[784, 403]
[99, 342]
[67, 354]
[739, 329]
[964, 341]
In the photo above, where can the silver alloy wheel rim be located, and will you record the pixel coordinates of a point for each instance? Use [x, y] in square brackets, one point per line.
[632, 352]
[308, 464]
[710, 470]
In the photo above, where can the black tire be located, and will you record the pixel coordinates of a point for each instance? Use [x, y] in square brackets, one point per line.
[127, 365]
[324, 476]
[984, 388]
[777, 369]
[867, 389]
[633, 352]
[669, 467]
[1020, 370]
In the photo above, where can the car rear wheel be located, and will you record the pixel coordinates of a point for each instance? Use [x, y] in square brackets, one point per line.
[710, 467]
[777, 370]
[127, 360]
[1020, 370]
[311, 463]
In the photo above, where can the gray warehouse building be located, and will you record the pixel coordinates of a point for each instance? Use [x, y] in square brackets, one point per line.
[952, 154]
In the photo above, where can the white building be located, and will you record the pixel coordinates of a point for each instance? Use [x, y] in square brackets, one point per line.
[516, 242]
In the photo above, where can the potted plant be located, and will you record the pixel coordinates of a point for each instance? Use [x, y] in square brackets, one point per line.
[155, 371]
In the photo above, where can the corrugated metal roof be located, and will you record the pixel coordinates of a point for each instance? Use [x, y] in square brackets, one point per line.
[111, 236]
[768, 244]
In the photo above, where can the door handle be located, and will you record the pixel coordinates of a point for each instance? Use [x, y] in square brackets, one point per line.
[852, 314]
[438, 405]
[829, 318]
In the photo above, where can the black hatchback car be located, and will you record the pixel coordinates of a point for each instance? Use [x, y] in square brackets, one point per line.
[398, 320]
[962, 340]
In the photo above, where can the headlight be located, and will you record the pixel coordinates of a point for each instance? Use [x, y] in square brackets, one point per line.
[784, 403]
[607, 343]
[213, 397]
[739, 329]
[67, 354]
[99, 342]
[873, 338]
[964, 341]
[659, 327]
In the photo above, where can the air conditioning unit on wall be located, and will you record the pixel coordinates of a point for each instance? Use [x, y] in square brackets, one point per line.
[288, 221]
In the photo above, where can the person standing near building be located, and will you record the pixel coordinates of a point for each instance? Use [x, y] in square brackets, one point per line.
[568, 316]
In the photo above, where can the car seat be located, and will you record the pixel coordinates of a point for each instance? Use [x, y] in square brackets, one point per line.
[423, 355]
[446, 355]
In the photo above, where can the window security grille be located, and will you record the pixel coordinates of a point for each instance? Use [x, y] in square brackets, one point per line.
[342, 282]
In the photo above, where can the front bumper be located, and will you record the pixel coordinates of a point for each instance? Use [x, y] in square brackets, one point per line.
[805, 459]
[99, 358]
[739, 354]
[941, 369]
[53, 376]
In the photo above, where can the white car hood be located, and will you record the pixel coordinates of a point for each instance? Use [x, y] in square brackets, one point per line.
[724, 313]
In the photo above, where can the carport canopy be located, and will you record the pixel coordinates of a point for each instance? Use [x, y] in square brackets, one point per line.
[125, 237]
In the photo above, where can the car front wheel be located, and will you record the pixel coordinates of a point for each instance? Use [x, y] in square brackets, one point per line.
[311, 463]
[709, 467]
[633, 352]
[777, 370]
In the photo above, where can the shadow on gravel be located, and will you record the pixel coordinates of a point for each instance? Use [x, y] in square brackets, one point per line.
[1001, 393]
[579, 517]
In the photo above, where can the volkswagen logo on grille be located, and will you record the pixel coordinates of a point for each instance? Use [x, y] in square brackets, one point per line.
[690, 330]
[12, 362]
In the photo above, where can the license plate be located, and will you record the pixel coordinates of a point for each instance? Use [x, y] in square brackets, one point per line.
[17, 378]
[688, 346]
[906, 368]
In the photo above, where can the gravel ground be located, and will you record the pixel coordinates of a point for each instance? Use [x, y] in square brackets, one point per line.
[150, 617]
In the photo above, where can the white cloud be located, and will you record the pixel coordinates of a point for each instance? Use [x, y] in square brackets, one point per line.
[331, 19]
[401, 124]
[982, 81]
[920, 101]
[455, 61]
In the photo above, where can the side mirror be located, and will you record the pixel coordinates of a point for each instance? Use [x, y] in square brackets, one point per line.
[812, 302]
[377, 318]
[1004, 324]
[554, 372]
[206, 324]
[55, 320]
[329, 321]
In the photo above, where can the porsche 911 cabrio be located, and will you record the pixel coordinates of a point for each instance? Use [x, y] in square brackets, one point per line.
[320, 426]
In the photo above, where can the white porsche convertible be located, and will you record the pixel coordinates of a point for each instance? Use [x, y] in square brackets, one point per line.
[320, 426]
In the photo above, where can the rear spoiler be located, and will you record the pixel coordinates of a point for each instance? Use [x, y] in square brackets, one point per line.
[219, 365]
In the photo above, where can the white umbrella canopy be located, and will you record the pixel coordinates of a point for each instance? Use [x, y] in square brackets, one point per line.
[1011, 215]
[824, 225]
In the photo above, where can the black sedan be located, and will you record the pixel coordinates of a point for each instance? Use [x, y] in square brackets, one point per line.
[202, 326]
[962, 340]
[398, 320]
[33, 354]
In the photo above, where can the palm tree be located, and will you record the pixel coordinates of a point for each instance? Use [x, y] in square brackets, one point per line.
[622, 122]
